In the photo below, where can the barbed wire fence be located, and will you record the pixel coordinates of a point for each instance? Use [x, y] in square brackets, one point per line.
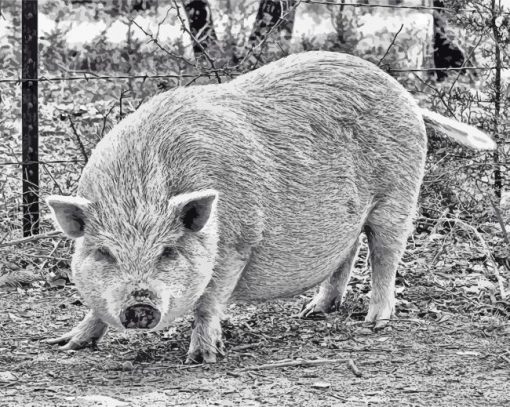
[61, 174]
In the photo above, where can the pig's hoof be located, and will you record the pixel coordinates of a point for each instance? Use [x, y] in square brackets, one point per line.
[67, 343]
[85, 334]
[72, 341]
[317, 308]
[206, 343]
[209, 355]
[380, 315]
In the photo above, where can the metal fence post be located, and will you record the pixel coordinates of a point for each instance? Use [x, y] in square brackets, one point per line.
[29, 118]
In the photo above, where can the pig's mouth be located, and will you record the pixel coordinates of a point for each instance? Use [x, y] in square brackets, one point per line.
[140, 316]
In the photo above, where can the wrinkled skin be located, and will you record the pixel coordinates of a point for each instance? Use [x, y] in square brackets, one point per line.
[250, 190]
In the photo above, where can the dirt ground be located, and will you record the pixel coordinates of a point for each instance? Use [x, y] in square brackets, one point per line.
[438, 353]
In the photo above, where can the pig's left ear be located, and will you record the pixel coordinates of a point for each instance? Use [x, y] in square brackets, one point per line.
[69, 213]
[195, 209]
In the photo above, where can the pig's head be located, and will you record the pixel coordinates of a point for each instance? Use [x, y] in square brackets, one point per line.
[141, 265]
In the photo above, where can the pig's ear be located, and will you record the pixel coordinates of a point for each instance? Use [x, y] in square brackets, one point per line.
[195, 208]
[69, 213]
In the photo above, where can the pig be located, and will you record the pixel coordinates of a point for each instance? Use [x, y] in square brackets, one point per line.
[250, 190]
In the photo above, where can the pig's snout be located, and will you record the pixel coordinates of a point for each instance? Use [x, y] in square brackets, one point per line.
[140, 316]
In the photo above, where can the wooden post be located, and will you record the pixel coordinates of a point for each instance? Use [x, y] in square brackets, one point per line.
[29, 118]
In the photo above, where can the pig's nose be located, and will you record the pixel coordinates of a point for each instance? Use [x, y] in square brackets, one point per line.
[140, 316]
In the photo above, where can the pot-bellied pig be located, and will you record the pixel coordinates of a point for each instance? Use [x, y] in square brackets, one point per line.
[249, 190]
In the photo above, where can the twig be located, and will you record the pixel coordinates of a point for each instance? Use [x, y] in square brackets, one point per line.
[247, 346]
[105, 118]
[121, 97]
[158, 44]
[499, 217]
[486, 249]
[251, 51]
[391, 45]
[293, 363]
[44, 256]
[55, 246]
[501, 222]
[354, 368]
[45, 168]
[438, 92]
[196, 41]
[34, 238]
[78, 139]
[466, 59]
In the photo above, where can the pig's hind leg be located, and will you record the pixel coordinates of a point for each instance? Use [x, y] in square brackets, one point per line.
[387, 229]
[86, 333]
[331, 291]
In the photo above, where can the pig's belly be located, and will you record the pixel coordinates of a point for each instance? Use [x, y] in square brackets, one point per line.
[274, 273]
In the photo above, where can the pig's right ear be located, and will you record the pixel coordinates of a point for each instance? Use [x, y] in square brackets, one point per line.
[195, 209]
[69, 213]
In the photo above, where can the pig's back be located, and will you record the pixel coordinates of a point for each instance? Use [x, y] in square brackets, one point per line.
[338, 135]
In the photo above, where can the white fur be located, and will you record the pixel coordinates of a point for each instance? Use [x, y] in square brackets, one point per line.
[460, 132]
[63, 208]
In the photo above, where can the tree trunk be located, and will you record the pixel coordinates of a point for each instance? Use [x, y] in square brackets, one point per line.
[447, 54]
[274, 20]
[201, 25]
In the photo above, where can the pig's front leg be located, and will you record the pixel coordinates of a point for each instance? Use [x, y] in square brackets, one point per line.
[206, 338]
[86, 333]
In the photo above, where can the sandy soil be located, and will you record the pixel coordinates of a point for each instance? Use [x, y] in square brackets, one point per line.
[436, 354]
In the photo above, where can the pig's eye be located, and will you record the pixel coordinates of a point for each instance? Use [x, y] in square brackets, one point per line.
[102, 253]
[169, 253]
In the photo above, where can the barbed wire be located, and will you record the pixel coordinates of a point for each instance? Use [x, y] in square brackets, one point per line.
[211, 74]
[108, 77]
[394, 6]
[42, 162]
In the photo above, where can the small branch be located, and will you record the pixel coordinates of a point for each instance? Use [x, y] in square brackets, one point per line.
[158, 44]
[197, 42]
[465, 61]
[251, 51]
[105, 118]
[438, 92]
[44, 167]
[500, 219]
[55, 247]
[34, 238]
[354, 368]
[247, 346]
[293, 363]
[121, 97]
[78, 139]
[486, 249]
[391, 45]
